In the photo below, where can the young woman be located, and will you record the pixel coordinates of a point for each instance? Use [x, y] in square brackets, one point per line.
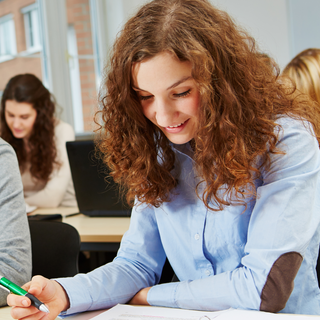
[222, 162]
[28, 123]
[304, 70]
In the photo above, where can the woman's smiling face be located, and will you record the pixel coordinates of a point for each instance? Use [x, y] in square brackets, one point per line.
[168, 95]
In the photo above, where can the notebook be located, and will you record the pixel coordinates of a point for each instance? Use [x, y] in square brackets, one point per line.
[95, 196]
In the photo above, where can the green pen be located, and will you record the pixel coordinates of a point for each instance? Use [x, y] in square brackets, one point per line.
[13, 288]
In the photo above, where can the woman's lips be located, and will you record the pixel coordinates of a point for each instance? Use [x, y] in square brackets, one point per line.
[17, 132]
[177, 128]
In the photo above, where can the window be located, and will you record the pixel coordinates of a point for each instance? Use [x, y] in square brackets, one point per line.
[31, 26]
[8, 46]
[15, 57]
[82, 59]
[75, 80]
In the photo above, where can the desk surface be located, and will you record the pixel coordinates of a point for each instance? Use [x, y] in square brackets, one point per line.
[5, 314]
[92, 229]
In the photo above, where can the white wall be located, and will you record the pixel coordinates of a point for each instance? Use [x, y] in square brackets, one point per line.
[117, 12]
[282, 28]
[267, 21]
[305, 24]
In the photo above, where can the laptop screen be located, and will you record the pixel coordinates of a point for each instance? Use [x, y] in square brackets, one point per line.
[96, 192]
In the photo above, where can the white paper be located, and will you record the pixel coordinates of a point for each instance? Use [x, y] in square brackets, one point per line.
[30, 208]
[237, 314]
[127, 312]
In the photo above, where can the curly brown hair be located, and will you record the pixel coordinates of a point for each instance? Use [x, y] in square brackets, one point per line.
[241, 98]
[42, 156]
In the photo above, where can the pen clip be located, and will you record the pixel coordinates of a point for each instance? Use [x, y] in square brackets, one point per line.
[5, 288]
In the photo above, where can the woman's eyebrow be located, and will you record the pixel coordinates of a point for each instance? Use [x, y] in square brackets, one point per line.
[172, 86]
[137, 88]
[179, 82]
[19, 115]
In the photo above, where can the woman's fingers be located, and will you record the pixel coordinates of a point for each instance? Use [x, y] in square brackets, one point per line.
[37, 285]
[31, 313]
[41, 288]
[50, 292]
[19, 301]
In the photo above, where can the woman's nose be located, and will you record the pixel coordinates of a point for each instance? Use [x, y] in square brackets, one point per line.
[16, 123]
[165, 113]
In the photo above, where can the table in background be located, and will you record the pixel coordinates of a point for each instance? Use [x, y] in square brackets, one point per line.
[96, 233]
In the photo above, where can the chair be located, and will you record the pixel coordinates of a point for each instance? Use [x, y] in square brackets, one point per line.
[55, 248]
[167, 274]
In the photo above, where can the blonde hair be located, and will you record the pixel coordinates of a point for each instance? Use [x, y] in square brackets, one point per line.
[304, 71]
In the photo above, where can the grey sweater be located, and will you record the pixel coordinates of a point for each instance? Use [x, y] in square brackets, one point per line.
[15, 245]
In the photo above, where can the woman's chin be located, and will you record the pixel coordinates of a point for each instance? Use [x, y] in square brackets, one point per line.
[18, 135]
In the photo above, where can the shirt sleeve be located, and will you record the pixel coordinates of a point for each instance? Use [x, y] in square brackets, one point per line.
[284, 219]
[15, 252]
[54, 191]
[138, 264]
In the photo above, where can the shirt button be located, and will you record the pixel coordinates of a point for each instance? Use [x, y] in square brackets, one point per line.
[196, 236]
[208, 272]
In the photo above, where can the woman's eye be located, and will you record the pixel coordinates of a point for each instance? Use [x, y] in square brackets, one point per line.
[144, 97]
[182, 94]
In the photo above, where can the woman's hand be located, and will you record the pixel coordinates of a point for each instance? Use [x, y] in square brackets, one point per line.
[141, 297]
[50, 292]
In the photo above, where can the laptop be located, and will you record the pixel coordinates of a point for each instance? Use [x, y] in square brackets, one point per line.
[96, 192]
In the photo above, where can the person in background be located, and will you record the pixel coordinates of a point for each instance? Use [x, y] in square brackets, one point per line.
[15, 245]
[304, 71]
[221, 162]
[28, 123]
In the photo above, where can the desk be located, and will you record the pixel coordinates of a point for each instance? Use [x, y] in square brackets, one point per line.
[96, 233]
[5, 314]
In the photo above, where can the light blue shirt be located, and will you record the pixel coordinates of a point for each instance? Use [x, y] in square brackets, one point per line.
[221, 258]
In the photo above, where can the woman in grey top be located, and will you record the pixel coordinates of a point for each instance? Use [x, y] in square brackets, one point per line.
[15, 244]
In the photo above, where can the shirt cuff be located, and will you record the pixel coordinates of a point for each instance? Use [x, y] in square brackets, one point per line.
[163, 295]
[79, 297]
